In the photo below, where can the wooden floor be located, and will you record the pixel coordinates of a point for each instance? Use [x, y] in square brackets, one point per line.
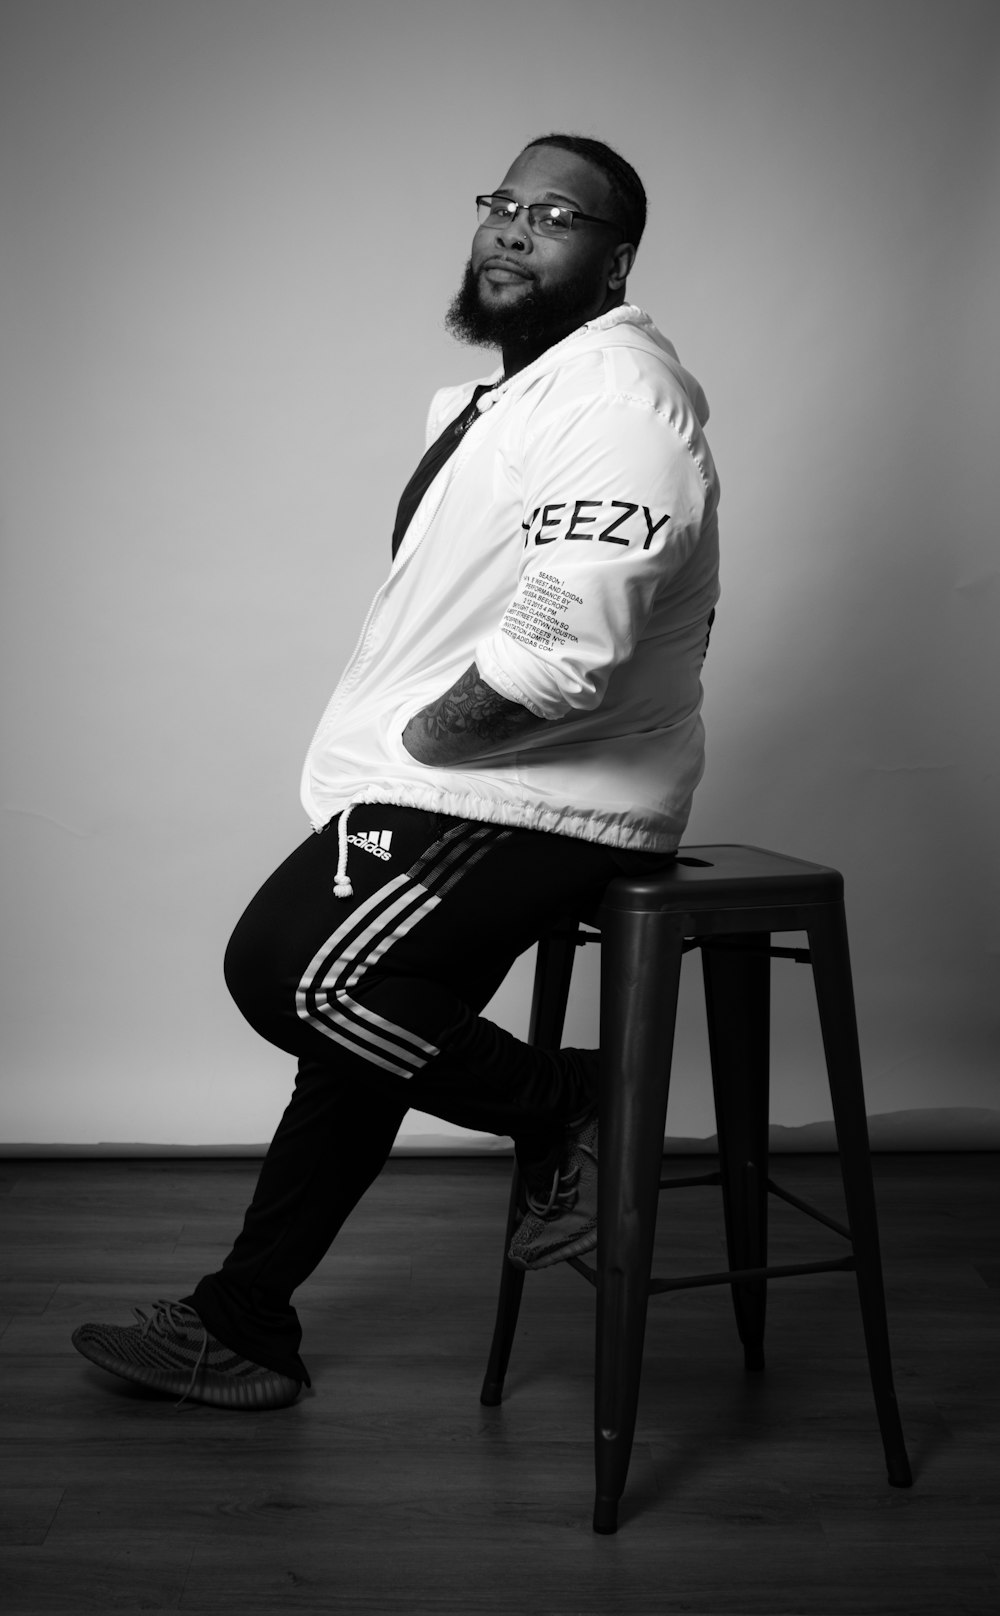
[389, 1489]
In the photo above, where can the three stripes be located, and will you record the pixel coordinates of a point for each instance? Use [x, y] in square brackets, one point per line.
[326, 995]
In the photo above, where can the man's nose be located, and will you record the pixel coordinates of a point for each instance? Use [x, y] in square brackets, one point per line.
[515, 234]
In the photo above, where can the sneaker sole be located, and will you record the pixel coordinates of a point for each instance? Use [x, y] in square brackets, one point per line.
[269, 1390]
[580, 1244]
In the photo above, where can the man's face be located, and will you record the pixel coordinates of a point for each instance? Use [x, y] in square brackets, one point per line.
[528, 290]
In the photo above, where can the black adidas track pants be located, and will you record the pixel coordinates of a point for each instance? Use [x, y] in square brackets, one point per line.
[379, 996]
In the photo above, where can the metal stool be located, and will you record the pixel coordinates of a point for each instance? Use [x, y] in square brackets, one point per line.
[727, 901]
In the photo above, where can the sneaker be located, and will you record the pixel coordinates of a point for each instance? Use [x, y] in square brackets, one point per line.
[170, 1350]
[561, 1216]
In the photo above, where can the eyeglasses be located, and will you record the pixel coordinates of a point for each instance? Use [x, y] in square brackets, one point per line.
[543, 218]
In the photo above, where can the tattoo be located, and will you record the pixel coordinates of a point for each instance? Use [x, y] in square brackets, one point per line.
[468, 720]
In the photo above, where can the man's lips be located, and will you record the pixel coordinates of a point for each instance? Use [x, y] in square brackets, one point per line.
[504, 271]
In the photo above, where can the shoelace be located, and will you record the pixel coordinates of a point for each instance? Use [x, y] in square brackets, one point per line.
[166, 1318]
[563, 1191]
[561, 1197]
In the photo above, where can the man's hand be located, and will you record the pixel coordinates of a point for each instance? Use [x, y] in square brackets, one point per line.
[468, 721]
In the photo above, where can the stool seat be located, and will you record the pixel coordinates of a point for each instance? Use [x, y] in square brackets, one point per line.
[729, 875]
[725, 900]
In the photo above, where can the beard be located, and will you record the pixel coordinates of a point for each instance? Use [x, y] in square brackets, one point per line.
[541, 317]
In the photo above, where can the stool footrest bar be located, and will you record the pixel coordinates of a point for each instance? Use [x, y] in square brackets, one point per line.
[808, 1208]
[731, 1276]
[735, 1275]
[588, 1273]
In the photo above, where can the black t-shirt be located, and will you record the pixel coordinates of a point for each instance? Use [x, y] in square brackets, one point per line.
[431, 464]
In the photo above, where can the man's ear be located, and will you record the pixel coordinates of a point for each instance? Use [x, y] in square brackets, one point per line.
[622, 260]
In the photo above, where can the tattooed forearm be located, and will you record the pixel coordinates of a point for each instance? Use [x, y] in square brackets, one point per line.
[468, 721]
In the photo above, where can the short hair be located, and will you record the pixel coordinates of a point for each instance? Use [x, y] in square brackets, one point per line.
[627, 190]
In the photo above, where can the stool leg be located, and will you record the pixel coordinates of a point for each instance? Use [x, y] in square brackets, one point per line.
[831, 963]
[737, 973]
[640, 972]
[550, 995]
[508, 1307]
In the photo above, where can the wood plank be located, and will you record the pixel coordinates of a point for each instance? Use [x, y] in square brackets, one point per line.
[26, 1512]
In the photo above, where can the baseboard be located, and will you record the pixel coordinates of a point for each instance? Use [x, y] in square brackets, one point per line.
[958, 1128]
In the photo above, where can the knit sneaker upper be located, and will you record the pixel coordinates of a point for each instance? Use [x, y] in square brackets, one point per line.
[170, 1350]
[561, 1217]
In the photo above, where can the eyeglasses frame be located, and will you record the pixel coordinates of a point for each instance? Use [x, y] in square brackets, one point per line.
[525, 208]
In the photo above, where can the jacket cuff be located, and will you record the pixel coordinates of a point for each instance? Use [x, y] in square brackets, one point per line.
[499, 668]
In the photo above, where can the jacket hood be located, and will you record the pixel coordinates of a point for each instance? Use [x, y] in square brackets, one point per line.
[631, 327]
[631, 315]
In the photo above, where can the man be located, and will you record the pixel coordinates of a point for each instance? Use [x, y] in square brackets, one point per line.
[518, 724]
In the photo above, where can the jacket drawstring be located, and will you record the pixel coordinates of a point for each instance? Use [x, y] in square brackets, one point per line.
[342, 887]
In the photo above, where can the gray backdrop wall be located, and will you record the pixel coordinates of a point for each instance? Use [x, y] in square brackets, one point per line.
[229, 232]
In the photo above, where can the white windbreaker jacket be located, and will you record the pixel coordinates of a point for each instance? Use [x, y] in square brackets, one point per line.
[569, 547]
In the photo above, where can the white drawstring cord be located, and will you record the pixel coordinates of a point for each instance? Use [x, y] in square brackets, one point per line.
[342, 887]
